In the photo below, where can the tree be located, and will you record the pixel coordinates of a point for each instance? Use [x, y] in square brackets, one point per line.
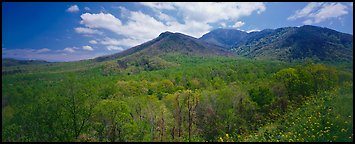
[295, 86]
[262, 96]
[178, 115]
[192, 100]
[207, 116]
[323, 77]
[78, 104]
[114, 115]
[307, 80]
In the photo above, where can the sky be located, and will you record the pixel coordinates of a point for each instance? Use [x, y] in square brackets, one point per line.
[71, 31]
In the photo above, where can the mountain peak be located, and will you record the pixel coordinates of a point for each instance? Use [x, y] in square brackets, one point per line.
[166, 33]
[312, 26]
[295, 43]
[224, 37]
[169, 42]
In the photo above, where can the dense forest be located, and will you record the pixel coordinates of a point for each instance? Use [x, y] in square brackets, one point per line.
[178, 98]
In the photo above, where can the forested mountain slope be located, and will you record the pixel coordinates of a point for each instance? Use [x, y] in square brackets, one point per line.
[177, 88]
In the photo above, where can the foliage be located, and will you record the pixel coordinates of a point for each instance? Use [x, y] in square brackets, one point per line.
[262, 96]
[198, 99]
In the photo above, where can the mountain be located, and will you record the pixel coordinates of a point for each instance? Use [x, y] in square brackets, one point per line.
[288, 43]
[295, 43]
[169, 42]
[253, 36]
[15, 62]
[224, 37]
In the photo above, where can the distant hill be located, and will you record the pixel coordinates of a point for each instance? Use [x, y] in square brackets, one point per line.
[15, 62]
[287, 44]
[294, 43]
[252, 36]
[168, 42]
[224, 37]
[149, 56]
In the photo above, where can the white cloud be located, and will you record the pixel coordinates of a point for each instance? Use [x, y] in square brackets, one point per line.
[223, 24]
[138, 29]
[120, 42]
[165, 17]
[43, 50]
[101, 20]
[308, 22]
[124, 12]
[317, 12]
[82, 30]
[88, 48]
[71, 50]
[209, 12]
[332, 10]
[93, 42]
[141, 27]
[307, 10]
[253, 30]
[110, 48]
[73, 8]
[159, 5]
[238, 24]
[87, 8]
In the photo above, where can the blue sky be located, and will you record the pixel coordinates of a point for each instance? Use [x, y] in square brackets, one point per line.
[63, 31]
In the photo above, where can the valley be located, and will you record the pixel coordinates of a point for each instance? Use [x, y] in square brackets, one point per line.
[283, 85]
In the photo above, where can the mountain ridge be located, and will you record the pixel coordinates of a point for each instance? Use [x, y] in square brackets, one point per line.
[168, 42]
[287, 43]
[224, 37]
[17, 62]
[293, 43]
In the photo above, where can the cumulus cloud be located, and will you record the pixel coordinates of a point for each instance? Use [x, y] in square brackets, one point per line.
[138, 29]
[209, 11]
[110, 48]
[314, 12]
[93, 42]
[238, 24]
[43, 50]
[120, 42]
[88, 48]
[82, 30]
[101, 20]
[73, 8]
[141, 27]
[71, 50]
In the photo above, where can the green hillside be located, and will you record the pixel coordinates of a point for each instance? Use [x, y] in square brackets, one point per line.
[187, 98]
[298, 43]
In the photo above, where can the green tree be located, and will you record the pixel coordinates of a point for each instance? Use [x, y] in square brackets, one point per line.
[114, 116]
[262, 96]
